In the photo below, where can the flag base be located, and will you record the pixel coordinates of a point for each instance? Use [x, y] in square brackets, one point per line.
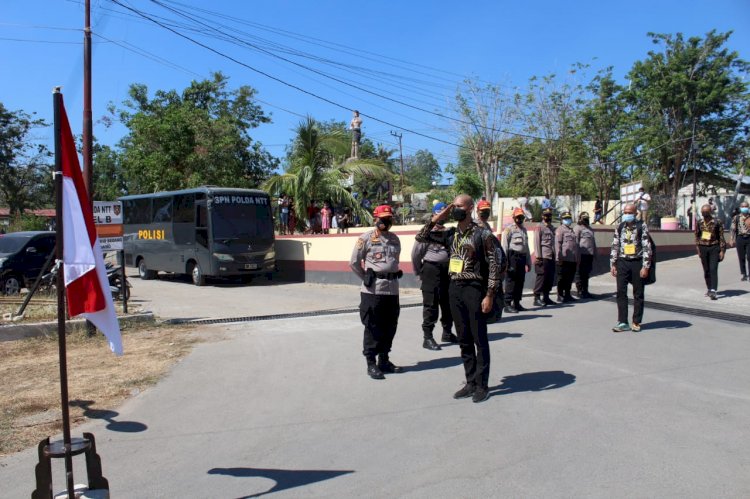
[47, 450]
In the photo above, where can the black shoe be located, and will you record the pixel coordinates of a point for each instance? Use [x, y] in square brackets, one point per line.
[465, 392]
[510, 310]
[712, 295]
[744, 278]
[587, 295]
[569, 299]
[548, 301]
[559, 298]
[520, 308]
[449, 337]
[538, 302]
[430, 344]
[387, 366]
[374, 372]
[480, 395]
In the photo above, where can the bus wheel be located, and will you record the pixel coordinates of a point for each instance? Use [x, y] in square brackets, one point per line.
[197, 275]
[144, 272]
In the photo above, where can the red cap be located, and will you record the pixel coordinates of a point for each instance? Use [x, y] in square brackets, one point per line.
[382, 211]
[517, 212]
[483, 205]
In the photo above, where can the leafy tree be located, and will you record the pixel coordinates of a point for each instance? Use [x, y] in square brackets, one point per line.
[421, 169]
[603, 127]
[200, 136]
[109, 182]
[316, 173]
[689, 95]
[24, 170]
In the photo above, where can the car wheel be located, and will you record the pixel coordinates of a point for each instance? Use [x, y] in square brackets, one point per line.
[11, 285]
[144, 272]
[197, 275]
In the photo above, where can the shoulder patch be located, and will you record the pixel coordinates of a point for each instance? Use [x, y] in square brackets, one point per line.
[360, 243]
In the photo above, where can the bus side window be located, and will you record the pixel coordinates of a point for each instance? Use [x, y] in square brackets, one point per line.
[201, 224]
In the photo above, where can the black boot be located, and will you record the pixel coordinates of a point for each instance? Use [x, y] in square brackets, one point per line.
[386, 365]
[448, 337]
[510, 310]
[519, 307]
[429, 343]
[538, 301]
[372, 369]
[548, 300]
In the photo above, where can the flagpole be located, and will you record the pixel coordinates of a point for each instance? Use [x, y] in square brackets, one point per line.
[57, 104]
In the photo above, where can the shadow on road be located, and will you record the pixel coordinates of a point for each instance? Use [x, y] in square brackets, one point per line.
[439, 363]
[285, 479]
[533, 382]
[109, 416]
[669, 324]
[502, 336]
[522, 317]
[732, 292]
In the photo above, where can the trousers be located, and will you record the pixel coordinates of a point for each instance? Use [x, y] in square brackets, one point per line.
[471, 327]
[584, 273]
[379, 314]
[515, 277]
[435, 299]
[710, 261]
[743, 253]
[629, 272]
[545, 276]
[567, 274]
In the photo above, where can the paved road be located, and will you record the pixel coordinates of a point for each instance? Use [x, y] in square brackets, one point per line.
[576, 411]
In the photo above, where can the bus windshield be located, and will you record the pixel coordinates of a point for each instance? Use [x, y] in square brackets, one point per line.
[241, 221]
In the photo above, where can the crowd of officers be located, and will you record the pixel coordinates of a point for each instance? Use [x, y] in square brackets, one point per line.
[461, 270]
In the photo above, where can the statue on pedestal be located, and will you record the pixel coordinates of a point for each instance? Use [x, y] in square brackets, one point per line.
[356, 127]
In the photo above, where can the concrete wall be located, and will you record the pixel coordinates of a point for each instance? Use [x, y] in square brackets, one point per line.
[325, 258]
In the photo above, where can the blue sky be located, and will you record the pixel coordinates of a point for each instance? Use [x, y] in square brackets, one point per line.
[415, 52]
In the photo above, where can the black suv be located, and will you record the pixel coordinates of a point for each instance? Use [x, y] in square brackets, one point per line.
[22, 256]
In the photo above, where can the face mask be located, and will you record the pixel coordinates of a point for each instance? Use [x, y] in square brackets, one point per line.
[628, 217]
[385, 223]
[567, 221]
[706, 214]
[458, 214]
[440, 223]
[484, 215]
[547, 219]
[519, 220]
[585, 221]
[744, 210]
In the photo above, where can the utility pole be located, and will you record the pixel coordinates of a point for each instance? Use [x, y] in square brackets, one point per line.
[88, 126]
[401, 156]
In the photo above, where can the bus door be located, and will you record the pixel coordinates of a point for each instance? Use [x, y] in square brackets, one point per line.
[202, 241]
[184, 230]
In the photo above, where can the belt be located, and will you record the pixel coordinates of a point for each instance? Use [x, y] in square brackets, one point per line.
[437, 263]
[389, 275]
[631, 259]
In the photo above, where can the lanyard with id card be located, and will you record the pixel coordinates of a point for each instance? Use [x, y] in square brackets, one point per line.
[706, 235]
[629, 248]
[455, 266]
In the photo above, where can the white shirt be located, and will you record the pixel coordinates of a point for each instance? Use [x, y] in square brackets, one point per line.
[643, 200]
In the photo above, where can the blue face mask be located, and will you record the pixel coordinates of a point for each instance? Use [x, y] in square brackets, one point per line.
[628, 217]
[744, 210]
[567, 221]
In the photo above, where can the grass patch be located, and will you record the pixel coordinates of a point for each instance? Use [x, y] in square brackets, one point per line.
[97, 380]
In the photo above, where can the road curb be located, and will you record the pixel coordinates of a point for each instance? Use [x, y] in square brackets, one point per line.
[13, 332]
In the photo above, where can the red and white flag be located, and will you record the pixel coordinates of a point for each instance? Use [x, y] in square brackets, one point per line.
[86, 280]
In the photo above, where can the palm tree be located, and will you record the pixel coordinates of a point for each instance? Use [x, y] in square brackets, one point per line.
[319, 170]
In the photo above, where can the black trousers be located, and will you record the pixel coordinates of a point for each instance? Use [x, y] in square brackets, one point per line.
[710, 260]
[629, 272]
[379, 315]
[584, 273]
[743, 253]
[435, 299]
[471, 327]
[515, 277]
[545, 276]
[567, 274]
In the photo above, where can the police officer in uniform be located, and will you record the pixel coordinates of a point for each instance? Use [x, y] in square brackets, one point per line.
[587, 248]
[739, 235]
[544, 264]
[515, 243]
[566, 253]
[475, 268]
[430, 261]
[375, 260]
[484, 208]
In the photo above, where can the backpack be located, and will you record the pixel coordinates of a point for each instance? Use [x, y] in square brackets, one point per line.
[639, 234]
[499, 301]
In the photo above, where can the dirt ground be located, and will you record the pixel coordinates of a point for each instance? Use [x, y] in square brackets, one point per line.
[98, 380]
